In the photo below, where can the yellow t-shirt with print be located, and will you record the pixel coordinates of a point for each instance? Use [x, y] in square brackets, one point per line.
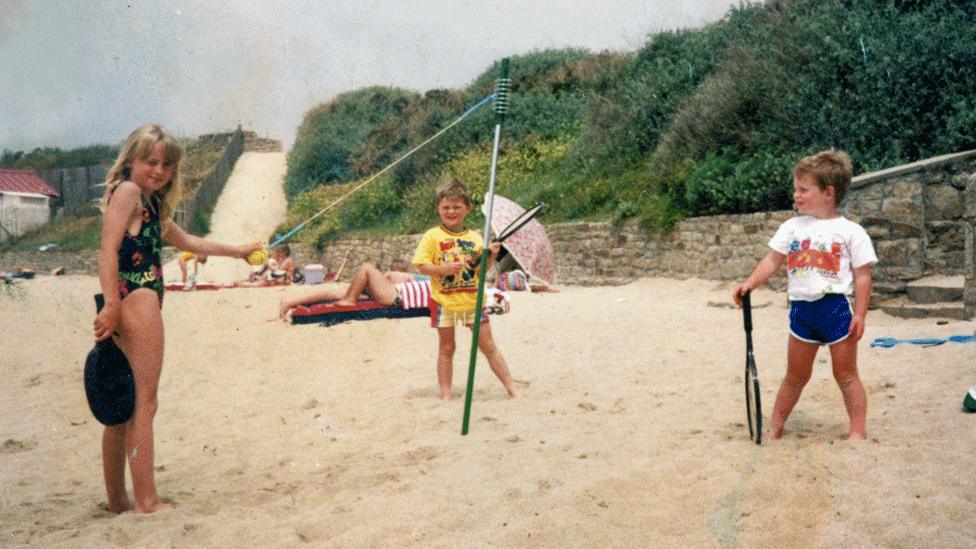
[186, 256]
[440, 245]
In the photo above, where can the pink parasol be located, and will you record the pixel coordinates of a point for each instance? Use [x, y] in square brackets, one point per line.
[530, 245]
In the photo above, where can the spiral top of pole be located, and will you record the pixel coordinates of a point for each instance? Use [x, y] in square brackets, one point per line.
[503, 86]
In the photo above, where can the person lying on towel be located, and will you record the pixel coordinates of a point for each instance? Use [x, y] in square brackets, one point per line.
[367, 282]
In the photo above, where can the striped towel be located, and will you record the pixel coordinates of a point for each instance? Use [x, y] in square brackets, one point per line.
[415, 295]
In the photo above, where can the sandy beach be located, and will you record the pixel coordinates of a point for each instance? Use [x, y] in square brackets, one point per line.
[629, 431]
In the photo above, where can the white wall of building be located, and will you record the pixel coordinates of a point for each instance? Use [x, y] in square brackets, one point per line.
[20, 212]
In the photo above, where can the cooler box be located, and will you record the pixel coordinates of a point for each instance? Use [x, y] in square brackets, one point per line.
[314, 274]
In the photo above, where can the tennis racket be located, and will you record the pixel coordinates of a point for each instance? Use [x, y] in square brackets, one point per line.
[512, 228]
[753, 404]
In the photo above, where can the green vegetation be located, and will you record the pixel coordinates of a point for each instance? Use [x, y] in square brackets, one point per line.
[695, 122]
[54, 157]
[81, 228]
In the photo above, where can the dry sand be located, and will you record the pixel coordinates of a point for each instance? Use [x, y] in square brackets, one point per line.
[629, 431]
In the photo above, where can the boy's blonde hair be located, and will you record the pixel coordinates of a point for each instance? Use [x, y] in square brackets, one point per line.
[453, 189]
[830, 168]
[139, 146]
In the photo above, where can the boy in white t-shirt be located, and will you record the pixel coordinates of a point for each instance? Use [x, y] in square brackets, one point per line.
[828, 258]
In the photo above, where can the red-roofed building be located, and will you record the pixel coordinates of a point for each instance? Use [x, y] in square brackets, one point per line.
[24, 202]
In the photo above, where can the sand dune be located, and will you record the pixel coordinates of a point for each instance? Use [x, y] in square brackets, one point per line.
[250, 207]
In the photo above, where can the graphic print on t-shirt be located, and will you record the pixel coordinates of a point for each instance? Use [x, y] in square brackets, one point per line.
[804, 256]
[459, 250]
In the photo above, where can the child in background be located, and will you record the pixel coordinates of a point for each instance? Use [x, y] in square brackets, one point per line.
[183, 259]
[828, 257]
[445, 253]
[142, 190]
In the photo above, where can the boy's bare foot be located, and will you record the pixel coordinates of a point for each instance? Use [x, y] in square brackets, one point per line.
[151, 507]
[512, 392]
[857, 436]
[118, 508]
[445, 394]
[774, 435]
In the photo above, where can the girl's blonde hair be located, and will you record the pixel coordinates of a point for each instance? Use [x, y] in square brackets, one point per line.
[139, 146]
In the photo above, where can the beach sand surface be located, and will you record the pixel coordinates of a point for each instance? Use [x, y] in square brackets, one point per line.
[629, 430]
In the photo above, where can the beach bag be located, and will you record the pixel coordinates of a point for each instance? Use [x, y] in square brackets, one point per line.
[514, 281]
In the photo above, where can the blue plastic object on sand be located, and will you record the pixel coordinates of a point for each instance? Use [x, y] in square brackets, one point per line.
[887, 342]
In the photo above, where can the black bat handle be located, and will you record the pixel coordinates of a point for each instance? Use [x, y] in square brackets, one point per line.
[747, 311]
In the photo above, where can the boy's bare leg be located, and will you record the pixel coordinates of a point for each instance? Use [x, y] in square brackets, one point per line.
[445, 361]
[113, 466]
[495, 359]
[142, 342]
[328, 293]
[844, 358]
[799, 357]
[369, 280]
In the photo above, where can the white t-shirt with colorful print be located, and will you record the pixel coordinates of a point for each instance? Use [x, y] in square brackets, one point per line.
[821, 255]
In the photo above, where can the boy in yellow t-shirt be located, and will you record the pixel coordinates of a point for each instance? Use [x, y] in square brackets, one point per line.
[448, 254]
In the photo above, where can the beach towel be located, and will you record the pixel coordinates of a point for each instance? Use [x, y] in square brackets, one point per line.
[416, 303]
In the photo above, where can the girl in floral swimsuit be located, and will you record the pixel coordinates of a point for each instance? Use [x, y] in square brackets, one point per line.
[142, 191]
[140, 263]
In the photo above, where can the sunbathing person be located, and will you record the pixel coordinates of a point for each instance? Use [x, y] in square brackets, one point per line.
[367, 281]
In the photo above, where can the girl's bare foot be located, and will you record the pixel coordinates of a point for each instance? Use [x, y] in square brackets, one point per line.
[774, 435]
[344, 303]
[856, 436]
[445, 394]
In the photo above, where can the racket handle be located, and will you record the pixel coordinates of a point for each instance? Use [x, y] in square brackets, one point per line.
[747, 311]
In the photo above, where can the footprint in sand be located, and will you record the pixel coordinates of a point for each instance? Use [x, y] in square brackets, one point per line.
[11, 446]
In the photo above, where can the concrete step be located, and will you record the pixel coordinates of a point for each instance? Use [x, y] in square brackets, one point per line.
[904, 307]
[936, 289]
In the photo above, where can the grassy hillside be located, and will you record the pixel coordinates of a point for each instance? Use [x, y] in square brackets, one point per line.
[695, 122]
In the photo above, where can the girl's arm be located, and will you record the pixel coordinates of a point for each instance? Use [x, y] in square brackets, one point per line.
[175, 235]
[115, 222]
[765, 269]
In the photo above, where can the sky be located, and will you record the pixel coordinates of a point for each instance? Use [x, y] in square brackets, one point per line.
[82, 72]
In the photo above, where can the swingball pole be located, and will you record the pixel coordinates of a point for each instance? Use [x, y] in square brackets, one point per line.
[502, 88]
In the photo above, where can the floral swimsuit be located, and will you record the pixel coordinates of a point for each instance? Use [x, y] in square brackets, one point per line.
[140, 264]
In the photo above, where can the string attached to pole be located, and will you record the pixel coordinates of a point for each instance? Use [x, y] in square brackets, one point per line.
[302, 225]
[502, 87]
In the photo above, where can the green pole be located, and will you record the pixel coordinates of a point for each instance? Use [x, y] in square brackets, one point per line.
[501, 107]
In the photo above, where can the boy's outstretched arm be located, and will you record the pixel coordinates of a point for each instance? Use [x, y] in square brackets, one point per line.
[766, 268]
[862, 297]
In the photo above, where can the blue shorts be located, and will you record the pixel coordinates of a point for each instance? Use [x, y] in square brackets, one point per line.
[824, 321]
